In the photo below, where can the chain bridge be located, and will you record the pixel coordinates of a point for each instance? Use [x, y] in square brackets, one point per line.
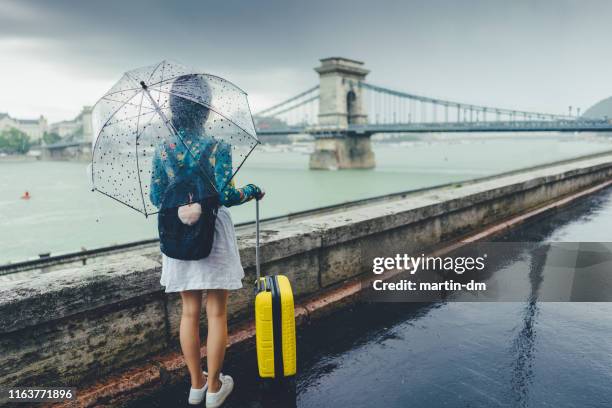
[344, 110]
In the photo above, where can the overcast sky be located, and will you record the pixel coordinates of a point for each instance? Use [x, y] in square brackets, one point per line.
[56, 56]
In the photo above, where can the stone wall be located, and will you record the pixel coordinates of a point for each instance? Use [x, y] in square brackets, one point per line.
[343, 152]
[75, 324]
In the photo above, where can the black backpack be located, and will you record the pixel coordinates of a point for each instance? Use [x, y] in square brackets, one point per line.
[181, 241]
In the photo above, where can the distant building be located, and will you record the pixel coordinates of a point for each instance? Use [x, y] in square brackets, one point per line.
[34, 128]
[77, 129]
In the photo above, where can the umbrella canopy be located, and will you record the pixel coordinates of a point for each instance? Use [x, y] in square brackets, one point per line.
[167, 119]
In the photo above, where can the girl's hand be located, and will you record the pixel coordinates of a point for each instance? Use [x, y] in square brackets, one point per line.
[261, 194]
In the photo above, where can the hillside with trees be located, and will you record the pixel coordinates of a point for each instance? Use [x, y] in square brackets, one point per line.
[14, 141]
[601, 109]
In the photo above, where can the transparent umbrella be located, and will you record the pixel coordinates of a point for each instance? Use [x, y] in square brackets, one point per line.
[168, 117]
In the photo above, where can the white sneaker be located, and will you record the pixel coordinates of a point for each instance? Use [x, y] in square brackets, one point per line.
[216, 399]
[196, 395]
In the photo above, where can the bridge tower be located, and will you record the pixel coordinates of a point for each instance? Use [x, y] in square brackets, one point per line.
[340, 106]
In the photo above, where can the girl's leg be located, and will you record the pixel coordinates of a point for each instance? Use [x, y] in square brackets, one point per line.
[216, 313]
[190, 335]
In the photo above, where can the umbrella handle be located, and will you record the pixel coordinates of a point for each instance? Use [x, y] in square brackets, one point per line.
[257, 267]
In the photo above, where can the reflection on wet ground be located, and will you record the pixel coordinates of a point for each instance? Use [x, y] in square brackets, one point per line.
[446, 354]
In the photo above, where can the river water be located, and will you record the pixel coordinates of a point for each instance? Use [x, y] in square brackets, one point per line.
[63, 215]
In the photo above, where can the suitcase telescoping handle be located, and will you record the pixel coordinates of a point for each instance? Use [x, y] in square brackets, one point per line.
[257, 268]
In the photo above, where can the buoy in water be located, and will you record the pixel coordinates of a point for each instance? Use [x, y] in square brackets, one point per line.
[26, 196]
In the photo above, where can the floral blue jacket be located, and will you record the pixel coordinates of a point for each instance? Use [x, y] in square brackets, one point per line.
[182, 164]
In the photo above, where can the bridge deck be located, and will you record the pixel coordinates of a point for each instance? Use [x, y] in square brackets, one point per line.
[437, 127]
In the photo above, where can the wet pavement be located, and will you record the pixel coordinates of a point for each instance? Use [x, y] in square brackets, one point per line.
[449, 354]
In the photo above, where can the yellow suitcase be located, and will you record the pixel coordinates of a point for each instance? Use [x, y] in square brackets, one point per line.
[274, 321]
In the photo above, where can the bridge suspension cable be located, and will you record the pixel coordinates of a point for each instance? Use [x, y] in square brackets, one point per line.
[296, 105]
[392, 111]
[386, 105]
[299, 110]
[271, 110]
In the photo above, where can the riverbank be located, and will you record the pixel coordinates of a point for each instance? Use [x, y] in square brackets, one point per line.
[119, 319]
[18, 158]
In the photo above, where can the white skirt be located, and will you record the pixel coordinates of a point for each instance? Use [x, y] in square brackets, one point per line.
[219, 270]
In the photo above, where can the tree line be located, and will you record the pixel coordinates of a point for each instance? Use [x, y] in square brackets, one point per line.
[14, 141]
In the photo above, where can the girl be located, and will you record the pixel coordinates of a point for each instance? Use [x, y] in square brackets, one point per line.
[221, 270]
